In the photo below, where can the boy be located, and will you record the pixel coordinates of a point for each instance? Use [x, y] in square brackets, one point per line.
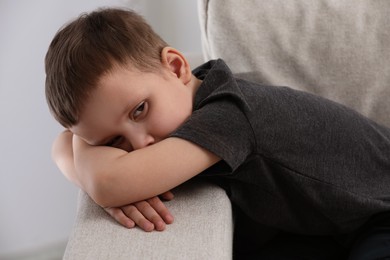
[140, 123]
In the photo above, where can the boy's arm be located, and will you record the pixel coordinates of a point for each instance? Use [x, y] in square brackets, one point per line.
[62, 154]
[113, 177]
[149, 214]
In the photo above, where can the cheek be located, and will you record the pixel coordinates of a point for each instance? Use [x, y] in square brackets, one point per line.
[181, 115]
[170, 119]
[167, 125]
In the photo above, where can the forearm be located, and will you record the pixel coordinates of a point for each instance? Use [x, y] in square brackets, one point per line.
[113, 177]
[62, 154]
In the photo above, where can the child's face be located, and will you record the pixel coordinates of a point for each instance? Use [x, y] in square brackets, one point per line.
[130, 109]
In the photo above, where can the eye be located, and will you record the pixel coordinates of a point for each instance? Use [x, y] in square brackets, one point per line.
[115, 142]
[140, 111]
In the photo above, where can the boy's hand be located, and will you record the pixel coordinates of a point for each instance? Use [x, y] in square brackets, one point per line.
[149, 214]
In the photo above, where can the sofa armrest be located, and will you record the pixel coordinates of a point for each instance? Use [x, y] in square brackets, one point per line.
[203, 229]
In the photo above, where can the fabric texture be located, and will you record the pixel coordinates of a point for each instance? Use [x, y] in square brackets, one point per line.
[295, 161]
[336, 49]
[202, 229]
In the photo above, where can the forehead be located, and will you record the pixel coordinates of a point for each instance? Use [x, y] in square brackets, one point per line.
[115, 92]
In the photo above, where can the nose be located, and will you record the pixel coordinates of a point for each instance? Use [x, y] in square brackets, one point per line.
[140, 138]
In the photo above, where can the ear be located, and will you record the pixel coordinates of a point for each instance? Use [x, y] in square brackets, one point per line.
[176, 63]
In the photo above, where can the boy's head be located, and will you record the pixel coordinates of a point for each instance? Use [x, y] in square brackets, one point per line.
[91, 46]
[112, 81]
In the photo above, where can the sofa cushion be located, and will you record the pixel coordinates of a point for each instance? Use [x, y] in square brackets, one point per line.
[203, 229]
[337, 49]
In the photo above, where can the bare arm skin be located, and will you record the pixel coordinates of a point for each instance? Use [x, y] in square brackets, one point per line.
[113, 177]
[149, 214]
[62, 154]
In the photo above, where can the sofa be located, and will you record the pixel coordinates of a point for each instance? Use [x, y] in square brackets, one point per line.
[339, 49]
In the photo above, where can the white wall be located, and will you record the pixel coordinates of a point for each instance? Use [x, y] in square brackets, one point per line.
[37, 204]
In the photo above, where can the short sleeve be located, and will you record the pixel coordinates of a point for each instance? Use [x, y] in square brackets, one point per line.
[222, 128]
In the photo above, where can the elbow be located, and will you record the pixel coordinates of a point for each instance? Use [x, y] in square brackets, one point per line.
[99, 191]
[102, 201]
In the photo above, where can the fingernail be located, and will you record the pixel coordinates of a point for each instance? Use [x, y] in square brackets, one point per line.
[148, 227]
[169, 219]
[130, 224]
[160, 225]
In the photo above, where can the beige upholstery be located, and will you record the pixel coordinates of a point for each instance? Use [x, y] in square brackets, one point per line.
[337, 49]
[202, 230]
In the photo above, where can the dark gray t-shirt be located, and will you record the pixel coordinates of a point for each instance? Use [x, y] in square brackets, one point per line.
[290, 160]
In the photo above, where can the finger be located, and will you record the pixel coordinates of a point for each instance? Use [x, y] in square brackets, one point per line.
[148, 211]
[120, 217]
[138, 217]
[167, 195]
[161, 209]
